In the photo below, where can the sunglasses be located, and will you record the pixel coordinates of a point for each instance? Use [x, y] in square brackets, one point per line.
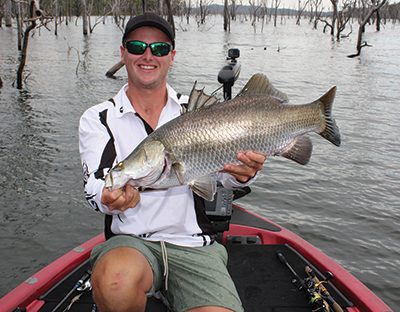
[139, 47]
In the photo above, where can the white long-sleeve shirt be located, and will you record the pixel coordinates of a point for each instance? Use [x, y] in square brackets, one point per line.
[108, 132]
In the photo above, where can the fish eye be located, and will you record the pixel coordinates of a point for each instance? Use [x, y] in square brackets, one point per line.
[120, 166]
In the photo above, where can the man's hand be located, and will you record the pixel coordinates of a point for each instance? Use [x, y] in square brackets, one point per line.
[251, 163]
[120, 199]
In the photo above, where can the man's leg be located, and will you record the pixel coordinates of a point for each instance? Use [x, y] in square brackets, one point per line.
[121, 278]
[199, 281]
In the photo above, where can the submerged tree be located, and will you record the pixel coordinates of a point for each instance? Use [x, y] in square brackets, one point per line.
[373, 8]
[34, 15]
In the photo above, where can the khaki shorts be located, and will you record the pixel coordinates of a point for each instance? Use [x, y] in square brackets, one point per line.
[197, 276]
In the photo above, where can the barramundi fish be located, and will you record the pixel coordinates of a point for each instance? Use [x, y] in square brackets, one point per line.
[192, 148]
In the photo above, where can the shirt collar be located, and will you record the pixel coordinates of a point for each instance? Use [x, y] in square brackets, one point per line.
[123, 104]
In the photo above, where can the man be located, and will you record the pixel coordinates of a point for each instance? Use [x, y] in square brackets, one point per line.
[159, 240]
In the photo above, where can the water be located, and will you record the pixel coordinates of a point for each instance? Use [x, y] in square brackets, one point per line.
[345, 202]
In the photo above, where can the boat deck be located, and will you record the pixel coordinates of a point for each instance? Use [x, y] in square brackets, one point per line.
[263, 282]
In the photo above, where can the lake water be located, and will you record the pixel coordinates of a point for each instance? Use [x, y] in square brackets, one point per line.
[345, 201]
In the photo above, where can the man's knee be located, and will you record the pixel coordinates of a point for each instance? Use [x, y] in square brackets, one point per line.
[121, 279]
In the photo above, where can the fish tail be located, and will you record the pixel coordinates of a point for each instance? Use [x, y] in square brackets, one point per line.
[330, 130]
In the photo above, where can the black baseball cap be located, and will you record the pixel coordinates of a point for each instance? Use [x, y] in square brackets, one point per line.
[149, 19]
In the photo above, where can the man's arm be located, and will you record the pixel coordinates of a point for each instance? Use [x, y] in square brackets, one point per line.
[95, 144]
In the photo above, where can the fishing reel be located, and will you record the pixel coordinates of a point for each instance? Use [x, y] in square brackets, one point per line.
[319, 297]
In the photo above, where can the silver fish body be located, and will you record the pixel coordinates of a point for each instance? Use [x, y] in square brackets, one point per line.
[191, 148]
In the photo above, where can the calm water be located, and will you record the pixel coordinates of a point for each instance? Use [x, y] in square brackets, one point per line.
[346, 201]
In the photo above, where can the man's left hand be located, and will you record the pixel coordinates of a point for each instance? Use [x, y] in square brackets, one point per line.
[251, 163]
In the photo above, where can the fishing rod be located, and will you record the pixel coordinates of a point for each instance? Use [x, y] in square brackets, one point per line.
[322, 289]
[318, 295]
[82, 286]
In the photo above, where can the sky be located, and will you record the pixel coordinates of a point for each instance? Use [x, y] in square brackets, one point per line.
[294, 3]
[287, 3]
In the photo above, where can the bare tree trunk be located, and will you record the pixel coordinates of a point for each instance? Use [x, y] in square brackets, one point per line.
[300, 11]
[19, 25]
[227, 20]
[170, 16]
[85, 18]
[233, 10]
[111, 72]
[56, 11]
[378, 21]
[361, 28]
[7, 13]
[277, 4]
[33, 9]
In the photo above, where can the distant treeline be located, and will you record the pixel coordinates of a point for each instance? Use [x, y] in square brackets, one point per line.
[10, 9]
[336, 20]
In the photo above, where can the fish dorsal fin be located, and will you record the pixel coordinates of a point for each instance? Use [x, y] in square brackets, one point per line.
[300, 150]
[198, 99]
[205, 187]
[259, 84]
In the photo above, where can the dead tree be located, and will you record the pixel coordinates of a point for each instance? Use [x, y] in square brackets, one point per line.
[19, 17]
[334, 15]
[360, 44]
[187, 9]
[277, 3]
[227, 20]
[343, 17]
[300, 10]
[85, 18]
[233, 9]
[254, 8]
[34, 15]
[204, 10]
[8, 13]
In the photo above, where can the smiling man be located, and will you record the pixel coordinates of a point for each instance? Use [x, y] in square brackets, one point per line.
[159, 240]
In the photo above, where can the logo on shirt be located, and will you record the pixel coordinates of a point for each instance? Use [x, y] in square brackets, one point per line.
[85, 171]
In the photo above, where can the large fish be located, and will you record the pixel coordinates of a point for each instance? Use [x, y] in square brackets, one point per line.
[192, 148]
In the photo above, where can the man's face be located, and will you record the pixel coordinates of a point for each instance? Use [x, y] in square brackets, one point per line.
[147, 70]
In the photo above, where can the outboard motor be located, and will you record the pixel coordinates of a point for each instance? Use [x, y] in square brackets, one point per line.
[229, 73]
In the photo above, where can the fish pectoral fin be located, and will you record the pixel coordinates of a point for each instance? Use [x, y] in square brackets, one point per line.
[259, 84]
[299, 151]
[179, 171]
[205, 187]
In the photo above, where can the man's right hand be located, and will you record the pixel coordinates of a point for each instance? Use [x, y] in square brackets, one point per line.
[120, 199]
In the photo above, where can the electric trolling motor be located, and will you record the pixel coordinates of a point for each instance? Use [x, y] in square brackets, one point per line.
[229, 73]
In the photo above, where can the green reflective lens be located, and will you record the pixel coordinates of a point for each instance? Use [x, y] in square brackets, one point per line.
[136, 47]
[139, 47]
[160, 48]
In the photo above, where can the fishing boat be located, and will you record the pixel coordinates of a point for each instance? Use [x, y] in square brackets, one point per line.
[273, 268]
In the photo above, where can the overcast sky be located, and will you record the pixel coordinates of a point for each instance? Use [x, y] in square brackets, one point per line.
[285, 3]
[294, 3]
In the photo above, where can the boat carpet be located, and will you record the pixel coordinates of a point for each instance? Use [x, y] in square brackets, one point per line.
[263, 282]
